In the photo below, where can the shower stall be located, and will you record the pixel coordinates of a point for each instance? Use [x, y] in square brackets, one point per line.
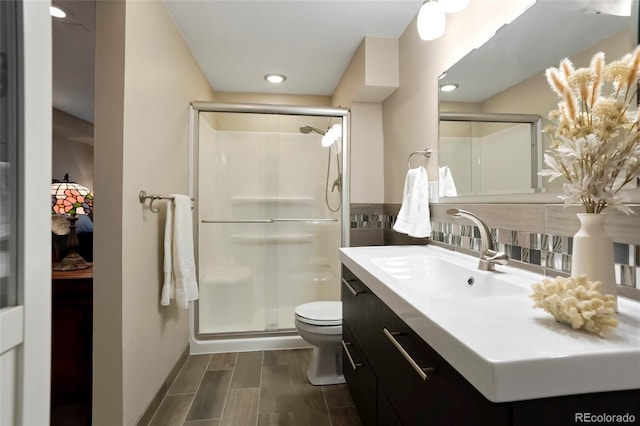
[271, 210]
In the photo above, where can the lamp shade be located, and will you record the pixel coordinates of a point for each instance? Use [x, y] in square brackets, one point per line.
[431, 21]
[71, 198]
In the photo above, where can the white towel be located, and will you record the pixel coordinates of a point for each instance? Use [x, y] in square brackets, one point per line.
[179, 265]
[446, 186]
[414, 218]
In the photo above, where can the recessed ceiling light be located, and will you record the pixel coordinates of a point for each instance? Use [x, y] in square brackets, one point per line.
[443, 75]
[275, 78]
[56, 12]
[449, 87]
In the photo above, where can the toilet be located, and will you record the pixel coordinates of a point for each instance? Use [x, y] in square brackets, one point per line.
[320, 325]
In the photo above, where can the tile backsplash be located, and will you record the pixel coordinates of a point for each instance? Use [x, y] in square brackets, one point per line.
[540, 241]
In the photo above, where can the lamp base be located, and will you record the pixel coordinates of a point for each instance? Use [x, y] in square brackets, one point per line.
[72, 262]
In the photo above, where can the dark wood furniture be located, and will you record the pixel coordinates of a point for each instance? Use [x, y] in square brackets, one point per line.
[71, 347]
[379, 349]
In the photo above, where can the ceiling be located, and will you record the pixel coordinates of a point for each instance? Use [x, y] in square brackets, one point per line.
[237, 42]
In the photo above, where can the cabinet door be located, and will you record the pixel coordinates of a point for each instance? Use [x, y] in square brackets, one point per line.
[360, 379]
[386, 415]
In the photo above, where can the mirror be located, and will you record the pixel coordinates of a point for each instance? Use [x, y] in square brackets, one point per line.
[506, 76]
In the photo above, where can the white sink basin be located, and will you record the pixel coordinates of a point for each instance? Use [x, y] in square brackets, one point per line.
[438, 277]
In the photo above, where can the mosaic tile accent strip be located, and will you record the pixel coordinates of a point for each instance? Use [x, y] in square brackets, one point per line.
[367, 221]
[551, 252]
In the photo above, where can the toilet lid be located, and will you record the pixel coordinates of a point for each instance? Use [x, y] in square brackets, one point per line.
[320, 313]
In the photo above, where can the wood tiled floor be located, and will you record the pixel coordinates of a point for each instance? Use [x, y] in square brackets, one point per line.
[264, 388]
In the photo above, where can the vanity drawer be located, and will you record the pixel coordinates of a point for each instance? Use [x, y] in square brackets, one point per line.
[359, 309]
[360, 379]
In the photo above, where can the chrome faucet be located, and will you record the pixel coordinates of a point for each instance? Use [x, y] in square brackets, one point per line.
[488, 256]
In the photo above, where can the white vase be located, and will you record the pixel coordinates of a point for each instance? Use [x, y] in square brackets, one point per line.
[593, 253]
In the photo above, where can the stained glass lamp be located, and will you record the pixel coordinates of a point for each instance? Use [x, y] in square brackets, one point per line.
[71, 199]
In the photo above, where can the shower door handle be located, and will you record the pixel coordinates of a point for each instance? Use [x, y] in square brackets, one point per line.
[270, 220]
[304, 220]
[239, 221]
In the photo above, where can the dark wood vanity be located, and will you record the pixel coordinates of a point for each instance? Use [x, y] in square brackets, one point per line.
[396, 378]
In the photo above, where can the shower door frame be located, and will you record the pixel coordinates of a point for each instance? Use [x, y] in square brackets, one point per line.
[256, 339]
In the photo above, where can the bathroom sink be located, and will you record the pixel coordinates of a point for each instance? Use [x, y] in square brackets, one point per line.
[438, 277]
[489, 331]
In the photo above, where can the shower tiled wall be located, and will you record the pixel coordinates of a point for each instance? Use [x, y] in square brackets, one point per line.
[535, 236]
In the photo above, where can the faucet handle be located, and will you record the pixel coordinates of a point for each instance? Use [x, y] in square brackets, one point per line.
[498, 257]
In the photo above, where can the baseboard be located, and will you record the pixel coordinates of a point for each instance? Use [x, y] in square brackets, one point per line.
[146, 417]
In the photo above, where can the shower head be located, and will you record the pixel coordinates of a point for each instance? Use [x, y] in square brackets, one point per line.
[309, 129]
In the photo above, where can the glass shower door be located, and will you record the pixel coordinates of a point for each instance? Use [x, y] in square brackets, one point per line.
[266, 240]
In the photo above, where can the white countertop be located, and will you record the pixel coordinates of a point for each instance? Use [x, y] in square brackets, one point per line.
[503, 346]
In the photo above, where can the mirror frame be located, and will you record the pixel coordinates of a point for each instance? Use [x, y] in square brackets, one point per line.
[536, 135]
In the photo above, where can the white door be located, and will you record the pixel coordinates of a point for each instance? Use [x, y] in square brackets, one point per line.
[25, 223]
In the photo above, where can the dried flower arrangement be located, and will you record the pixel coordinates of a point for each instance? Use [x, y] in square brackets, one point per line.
[595, 138]
[577, 302]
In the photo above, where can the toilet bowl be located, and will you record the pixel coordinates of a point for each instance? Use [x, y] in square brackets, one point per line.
[320, 325]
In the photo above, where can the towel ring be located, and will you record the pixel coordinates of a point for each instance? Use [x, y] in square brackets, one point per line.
[425, 152]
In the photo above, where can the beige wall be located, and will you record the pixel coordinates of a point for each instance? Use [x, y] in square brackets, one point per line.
[146, 77]
[410, 114]
[367, 150]
[72, 148]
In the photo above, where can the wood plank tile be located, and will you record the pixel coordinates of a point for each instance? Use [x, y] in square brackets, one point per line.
[275, 383]
[276, 419]
[337, 396]
[172, 410]
[280, 394]
[210, 398]
[190, 375]
[300, 359]
[293, 418]
[208, 422]
[224, 361]
[246, 373]
[344, 416]
[274, 358]
[241, 408]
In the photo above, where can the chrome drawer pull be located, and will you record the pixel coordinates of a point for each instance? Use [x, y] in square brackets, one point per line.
[353, 364]
[422, 372]
[351, 289]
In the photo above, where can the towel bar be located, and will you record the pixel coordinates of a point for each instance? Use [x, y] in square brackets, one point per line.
[143, 196]
[425, 152]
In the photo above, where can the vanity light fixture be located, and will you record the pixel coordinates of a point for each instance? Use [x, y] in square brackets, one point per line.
[431, 20]
[57, 12]
[275, 78]
[332, 135]
[449, 87]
